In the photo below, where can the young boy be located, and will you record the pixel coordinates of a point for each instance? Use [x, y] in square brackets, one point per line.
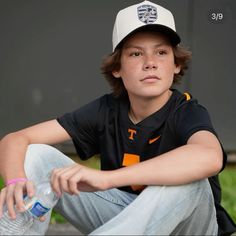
[160, 155]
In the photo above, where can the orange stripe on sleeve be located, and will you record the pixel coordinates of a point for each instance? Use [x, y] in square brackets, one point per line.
[187, 95]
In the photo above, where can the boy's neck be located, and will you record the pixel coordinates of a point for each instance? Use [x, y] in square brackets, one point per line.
[141, 108]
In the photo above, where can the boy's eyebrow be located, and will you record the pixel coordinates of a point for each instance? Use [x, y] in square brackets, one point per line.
[140, 47]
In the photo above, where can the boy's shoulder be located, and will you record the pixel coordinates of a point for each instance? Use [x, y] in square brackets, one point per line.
[107, 104]
[185, 105]
[111, 101]
[183, 100]
[179, 99]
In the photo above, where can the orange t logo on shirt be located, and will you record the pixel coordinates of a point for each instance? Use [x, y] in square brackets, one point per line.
[131, 132]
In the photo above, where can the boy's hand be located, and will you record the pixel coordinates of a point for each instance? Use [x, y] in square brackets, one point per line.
[12, 195]
[76, 178]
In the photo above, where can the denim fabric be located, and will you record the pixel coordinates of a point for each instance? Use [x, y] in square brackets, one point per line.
[158, 210]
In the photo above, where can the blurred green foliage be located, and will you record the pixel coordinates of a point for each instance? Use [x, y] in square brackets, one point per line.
[228, 185]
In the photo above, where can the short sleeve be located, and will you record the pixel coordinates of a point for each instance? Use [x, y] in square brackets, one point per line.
[189, 119]
[82, 126]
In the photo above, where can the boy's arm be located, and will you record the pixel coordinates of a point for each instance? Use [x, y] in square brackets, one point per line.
[13, 146]
[200, 158]
[12, 154]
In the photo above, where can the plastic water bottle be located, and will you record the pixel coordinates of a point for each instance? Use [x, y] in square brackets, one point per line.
[43, 201]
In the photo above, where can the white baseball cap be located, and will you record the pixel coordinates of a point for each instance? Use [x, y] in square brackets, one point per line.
[141, 16]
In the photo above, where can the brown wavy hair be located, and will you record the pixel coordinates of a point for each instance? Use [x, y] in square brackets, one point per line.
[112, 63]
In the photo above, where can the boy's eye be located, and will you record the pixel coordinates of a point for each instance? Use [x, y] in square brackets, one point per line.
[162, 52]
[135, 54]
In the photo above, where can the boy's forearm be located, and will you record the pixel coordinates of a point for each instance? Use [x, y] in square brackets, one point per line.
[180, 166]
[13, 146]
[12, 153]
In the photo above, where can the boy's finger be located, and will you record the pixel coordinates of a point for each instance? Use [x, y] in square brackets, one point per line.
[10, 201]
[19, 197]
[42, 218]
[30, 190]
[55, 182]
[2, 200]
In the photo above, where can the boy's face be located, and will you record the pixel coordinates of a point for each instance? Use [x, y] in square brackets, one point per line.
[147, 65]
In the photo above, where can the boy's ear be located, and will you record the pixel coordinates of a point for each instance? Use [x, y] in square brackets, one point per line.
[177, 69]
[116, 74]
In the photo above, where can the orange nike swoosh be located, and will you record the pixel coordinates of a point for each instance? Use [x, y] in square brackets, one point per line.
[154, 139]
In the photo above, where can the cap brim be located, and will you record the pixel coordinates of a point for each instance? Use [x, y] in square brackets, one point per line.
[171, 34]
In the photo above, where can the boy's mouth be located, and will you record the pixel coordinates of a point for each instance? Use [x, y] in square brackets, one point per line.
[150, 78]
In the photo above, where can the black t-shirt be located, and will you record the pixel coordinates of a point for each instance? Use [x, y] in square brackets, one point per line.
[103, 127]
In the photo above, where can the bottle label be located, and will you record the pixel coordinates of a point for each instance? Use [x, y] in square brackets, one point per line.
[35, 207]
[38, 209]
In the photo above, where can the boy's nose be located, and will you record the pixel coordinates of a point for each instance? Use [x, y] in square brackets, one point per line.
[149, 63]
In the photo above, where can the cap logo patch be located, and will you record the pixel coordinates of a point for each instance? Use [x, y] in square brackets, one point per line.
[147, 14]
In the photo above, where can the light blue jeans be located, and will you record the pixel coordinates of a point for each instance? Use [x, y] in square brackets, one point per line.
[158, 210]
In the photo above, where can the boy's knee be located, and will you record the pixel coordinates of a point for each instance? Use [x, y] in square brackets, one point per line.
[36, 160]
[39, 153]
[38, 149]
[40, 159]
